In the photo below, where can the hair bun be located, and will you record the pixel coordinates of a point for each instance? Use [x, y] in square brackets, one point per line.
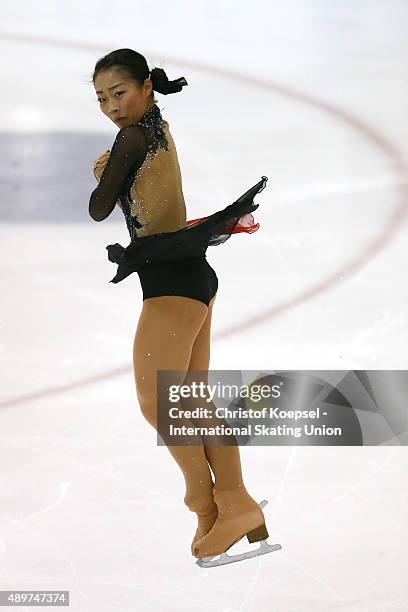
[162, 84]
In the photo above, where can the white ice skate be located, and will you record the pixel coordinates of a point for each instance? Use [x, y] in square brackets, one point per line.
[223, 558]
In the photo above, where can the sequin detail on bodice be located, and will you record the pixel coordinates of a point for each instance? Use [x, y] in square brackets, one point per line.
[152, 199]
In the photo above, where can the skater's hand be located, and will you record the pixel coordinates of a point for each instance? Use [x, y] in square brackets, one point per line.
[99, 164]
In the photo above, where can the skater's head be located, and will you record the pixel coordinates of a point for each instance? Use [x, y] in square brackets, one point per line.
[124, 85]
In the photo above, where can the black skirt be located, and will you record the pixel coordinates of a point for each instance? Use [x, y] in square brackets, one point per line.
[191, 241]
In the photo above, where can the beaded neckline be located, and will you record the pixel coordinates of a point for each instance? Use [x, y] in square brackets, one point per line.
[152, 120]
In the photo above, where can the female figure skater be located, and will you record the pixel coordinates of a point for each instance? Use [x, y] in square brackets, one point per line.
[141, 174]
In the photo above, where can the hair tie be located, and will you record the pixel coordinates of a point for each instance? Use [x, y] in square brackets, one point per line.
[162, 84]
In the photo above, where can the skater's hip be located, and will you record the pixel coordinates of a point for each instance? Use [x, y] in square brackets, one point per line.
[189, 277]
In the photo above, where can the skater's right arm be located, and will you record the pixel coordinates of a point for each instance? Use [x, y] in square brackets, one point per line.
[128, 153]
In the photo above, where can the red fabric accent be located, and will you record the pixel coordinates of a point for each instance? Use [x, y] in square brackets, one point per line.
[245, 224]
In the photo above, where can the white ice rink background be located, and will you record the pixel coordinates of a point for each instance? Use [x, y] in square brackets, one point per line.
[312, 94]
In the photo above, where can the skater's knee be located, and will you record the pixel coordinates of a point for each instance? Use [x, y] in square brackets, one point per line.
[149, 411]
[158, 418]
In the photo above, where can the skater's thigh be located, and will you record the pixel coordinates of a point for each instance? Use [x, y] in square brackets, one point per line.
[200, 353]
[165, 335]
[197, 371]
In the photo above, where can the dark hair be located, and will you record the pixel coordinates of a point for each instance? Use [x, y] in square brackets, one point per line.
[135, 65]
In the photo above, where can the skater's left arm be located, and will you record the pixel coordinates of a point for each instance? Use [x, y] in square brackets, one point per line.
[128, 153]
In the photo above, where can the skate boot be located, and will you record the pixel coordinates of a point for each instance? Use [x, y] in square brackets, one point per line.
[239, 515]
[207, 511]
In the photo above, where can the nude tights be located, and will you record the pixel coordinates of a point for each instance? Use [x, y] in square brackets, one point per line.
[173, 333]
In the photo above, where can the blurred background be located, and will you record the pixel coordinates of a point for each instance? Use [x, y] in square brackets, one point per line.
[311, 94]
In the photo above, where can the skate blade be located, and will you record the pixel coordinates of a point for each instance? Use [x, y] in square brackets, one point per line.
[224, 558]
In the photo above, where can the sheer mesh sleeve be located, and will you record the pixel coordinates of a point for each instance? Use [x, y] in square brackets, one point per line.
[128, 153]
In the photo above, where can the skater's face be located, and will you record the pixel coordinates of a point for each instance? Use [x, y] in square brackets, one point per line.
[120, 98]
